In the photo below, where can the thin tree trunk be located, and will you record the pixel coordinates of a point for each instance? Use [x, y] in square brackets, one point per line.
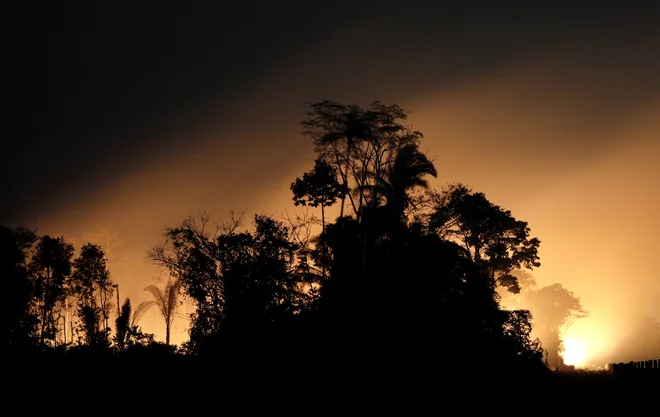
[322, 231]
[371, 214]
[344, 179]
[105, 309]
[349, 147]
[66, 313]
[44, 311]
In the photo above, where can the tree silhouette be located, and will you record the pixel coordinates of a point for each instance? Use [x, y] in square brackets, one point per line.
[358, 142]
[167, 301]
[91, 284]
[318, 187]
[405, 172]
[261, 285]
[51, 267]
[335, 128]
[18, 321]
[236, 280]
[190, 255]
[497, 242]
[366, 141]
[554, 310]
[126, 324]
[123, 324]
[416, 284]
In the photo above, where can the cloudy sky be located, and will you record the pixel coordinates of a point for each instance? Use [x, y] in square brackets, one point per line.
[125, 117]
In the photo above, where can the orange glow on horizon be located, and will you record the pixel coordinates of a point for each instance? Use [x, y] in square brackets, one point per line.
[592, 209]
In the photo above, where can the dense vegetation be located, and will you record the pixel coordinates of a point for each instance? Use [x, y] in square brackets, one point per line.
[407, 279]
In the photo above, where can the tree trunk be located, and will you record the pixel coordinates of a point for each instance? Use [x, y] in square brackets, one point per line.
[322, 218]
[45, 311]
[349, 147]
[322, 231]
[371, 214]
[105, 309]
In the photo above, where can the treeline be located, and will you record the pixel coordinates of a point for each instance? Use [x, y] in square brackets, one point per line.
[407, 276]
[52, 300]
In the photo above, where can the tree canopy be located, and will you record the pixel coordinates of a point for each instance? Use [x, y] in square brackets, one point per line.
[409, 270]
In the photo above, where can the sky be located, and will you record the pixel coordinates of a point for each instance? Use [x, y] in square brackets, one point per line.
[126, 117]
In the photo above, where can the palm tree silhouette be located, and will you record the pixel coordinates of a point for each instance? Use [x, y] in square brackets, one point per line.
[404, 173]
[167, 301]
[126, 322]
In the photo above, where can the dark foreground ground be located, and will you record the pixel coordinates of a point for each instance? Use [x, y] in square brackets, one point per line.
[313, 387]
[600, 385]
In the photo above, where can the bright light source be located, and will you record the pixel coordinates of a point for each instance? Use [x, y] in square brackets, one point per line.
[575, 352]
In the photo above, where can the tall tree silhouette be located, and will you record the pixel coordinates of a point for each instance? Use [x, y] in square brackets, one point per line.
[236, 280]
[390, 192]
[17, 320]
[335, 128]
[319, 187]
[91, 284]
[554, 310]
[405, 172]
[123, 324]
[358, 142]
[167, 302]
[260, 283]
[497, 242]
[51, 267]
[422, 292]
[190, 255]
[373, 136]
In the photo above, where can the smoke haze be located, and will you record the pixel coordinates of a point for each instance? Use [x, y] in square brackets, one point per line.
[553, 114]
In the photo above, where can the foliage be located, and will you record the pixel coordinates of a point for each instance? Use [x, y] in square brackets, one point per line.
[555, 309]
[406, 172]
[50, 267]
[123, 324]
[93, 289]
[235, 279]
[19, 321]
[410, 275]
[497, 242]
[392, 199]
[318, 187]
[127, 331]
[359, 143]
[167, 302]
